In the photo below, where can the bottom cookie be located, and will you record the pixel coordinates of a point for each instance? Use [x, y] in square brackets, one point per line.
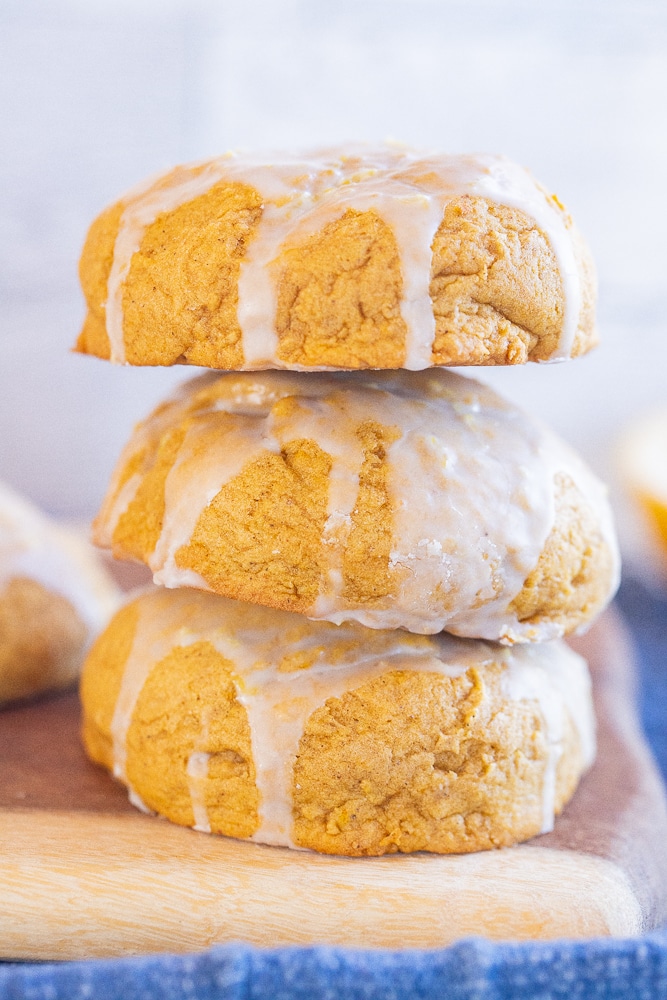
[259, 724]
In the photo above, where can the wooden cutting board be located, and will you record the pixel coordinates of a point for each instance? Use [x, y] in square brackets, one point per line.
[83, 874]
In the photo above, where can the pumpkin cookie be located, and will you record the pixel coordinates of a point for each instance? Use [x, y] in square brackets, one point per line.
[366, 258]
[417, 500]
[260, 724]
[54, 597]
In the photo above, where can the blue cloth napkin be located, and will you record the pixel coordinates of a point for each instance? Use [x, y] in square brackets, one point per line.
[470, 970]
[645, 611]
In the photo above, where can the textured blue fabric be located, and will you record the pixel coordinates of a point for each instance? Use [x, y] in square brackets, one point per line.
[470, 970]
[645, 612]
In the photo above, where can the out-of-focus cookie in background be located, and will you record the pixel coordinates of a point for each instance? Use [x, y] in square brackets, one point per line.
[55, 595]
[96, 96]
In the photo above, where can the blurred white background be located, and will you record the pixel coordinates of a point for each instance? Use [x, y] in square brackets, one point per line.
[96, 94]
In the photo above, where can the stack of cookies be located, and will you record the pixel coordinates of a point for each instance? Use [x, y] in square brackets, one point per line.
[365, 562]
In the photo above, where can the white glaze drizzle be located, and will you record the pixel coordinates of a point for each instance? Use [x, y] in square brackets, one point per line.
[143, 205]
[123, 491]
[567, 694]
[197, 774]
[117, 501]
[301, 194]
[151, 644]
[278, 704]
[471, 483]
[330, 426]
[192, 484]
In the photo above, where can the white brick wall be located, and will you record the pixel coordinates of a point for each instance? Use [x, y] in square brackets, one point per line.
[95, 95]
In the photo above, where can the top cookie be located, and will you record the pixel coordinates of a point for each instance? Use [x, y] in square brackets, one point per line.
[377, 258]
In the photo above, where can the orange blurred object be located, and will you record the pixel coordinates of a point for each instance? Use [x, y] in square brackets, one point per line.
[643, 468]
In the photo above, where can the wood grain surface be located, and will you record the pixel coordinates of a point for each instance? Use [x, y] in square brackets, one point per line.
[83, 874]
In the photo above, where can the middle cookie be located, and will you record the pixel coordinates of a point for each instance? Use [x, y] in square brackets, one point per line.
[416, 500]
